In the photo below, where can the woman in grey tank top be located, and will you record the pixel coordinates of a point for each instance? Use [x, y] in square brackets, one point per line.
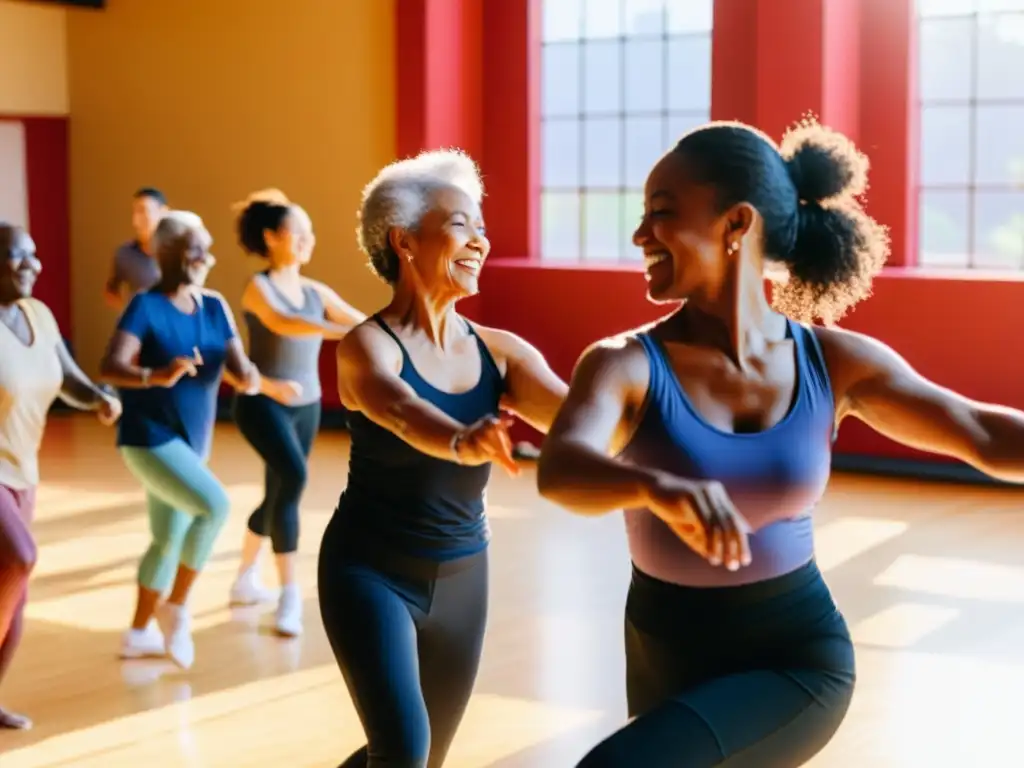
[287, 316]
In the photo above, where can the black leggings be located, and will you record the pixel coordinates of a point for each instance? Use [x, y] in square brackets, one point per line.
[407, 634]
[757, 676]
[283, 437]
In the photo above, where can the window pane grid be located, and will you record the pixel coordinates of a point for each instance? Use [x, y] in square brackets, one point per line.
[621, 79]
[972, 124]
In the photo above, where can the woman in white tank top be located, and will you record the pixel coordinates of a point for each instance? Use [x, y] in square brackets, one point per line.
[37, 368]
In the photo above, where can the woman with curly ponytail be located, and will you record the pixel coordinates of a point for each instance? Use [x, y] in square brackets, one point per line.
[713, 429]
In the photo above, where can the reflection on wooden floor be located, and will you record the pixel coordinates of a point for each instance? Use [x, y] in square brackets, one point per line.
[931, 578]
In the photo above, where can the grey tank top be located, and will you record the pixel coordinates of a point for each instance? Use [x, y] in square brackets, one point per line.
[296, 358]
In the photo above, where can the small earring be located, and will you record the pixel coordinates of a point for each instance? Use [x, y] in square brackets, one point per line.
[733, 247]
[408, 257]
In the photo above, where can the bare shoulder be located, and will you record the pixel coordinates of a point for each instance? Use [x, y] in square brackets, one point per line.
[369, 344]
[620, 359]
[856, 361]
[505, 343]
[845, 349]
[607, 391]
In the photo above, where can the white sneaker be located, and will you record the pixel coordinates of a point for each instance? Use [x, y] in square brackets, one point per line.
[176, 624]
[249, 590]
[143, 643]
[288, 619]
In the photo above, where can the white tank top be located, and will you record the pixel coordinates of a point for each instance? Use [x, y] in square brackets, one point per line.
[30, 380]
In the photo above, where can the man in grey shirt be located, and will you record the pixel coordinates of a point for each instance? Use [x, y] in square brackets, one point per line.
[134, 269]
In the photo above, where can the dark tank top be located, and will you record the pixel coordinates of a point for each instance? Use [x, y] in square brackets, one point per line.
[774, 477]
[404, 499]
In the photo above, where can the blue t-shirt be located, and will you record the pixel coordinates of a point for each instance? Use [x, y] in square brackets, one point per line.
[157, 415]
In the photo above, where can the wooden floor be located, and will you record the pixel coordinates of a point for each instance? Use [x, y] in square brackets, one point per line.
[930, 576]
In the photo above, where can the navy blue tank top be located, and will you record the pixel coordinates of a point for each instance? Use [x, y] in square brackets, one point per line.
[418, 504]
[774, 477]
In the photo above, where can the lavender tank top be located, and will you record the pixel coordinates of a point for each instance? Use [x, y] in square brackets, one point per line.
[774, 477]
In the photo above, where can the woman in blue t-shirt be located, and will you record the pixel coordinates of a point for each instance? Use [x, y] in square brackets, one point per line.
[172, 346]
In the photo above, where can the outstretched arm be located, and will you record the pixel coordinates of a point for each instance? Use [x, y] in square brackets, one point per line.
[876, 385]
[576, 469]
[279, 318]
[368, 381]
[533, 391]
[369, 363]
[337, 310]
[241, 373]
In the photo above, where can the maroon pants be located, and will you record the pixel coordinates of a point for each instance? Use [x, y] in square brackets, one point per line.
[17, 558]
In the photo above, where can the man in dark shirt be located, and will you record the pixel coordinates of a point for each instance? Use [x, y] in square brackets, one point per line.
[134, 269]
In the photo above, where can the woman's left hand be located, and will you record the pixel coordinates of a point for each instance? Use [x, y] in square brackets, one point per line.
[110, 408]
[283, 391]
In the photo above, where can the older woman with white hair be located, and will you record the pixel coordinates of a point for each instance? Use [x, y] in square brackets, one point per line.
[403, 563]
[172, 346]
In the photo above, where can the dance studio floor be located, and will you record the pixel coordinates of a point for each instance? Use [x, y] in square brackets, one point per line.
[931, 578]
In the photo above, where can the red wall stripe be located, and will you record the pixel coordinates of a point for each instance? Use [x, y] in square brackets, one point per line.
[511, 125]
[47, 164]
[889, 120]
[47, 172]
[439, 88]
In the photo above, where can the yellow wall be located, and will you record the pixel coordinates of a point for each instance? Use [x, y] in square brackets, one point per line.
[211, 99]
[33, 59]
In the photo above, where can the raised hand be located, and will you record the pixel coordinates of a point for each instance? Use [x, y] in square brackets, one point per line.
[173, 373]
[701, 514]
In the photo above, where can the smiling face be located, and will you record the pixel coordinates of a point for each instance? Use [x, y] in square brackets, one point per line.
[447, 251]
[685, 236]
[183, 252]
[20, 267]
[293, 241]
[197, 259]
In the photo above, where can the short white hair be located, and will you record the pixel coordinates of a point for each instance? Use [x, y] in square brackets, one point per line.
[171, 233]
[398, 196]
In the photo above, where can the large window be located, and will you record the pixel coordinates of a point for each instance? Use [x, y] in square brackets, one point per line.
[972, 133]
[621, 80]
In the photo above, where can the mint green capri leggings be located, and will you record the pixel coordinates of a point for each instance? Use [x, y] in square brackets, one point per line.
[187, 509]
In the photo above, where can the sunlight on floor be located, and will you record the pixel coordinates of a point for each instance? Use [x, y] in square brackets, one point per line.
[902, 625]
[930, 578]
[216, 729]
[840, 541]
[953, 577]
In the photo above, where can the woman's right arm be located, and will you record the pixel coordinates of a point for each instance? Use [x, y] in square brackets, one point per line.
[368, 381]
[120, 367]
[576, 470]
[278, 318]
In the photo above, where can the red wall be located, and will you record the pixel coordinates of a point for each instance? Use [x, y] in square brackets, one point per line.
[851, 62]
[46, 170]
